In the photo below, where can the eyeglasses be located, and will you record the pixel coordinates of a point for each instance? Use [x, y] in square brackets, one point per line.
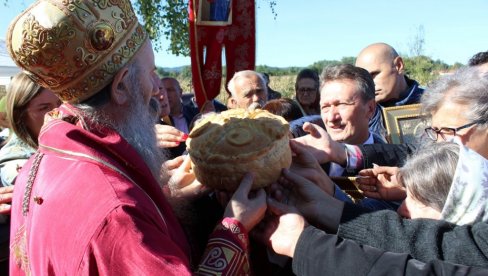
[433, 133]
[307, 89]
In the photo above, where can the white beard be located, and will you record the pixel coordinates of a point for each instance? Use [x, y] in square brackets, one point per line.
[137, 128]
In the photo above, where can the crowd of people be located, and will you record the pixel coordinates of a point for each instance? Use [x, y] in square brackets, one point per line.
[96, 180]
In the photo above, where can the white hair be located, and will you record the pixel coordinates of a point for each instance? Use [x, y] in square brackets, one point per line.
[243, 74]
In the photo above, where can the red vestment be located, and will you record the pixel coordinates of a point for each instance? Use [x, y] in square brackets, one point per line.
[95, 208]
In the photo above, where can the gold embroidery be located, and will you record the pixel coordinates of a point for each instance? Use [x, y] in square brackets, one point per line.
[18, 248]
[53, 42]
[76, 7]
[75, 47]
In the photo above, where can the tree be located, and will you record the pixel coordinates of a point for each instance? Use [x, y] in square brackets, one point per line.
[348, 60]
[418, 42]
[166, 19]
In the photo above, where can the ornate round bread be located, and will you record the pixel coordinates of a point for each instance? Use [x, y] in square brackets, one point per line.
[224, 147]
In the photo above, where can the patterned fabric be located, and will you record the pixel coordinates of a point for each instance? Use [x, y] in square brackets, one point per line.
[354, 157]
[467, 201]
[209, 38]
[226, 256]
[337, 170]
[75, 48]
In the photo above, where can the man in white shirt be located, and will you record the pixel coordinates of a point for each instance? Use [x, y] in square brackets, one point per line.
[347, 102]
[181, 116]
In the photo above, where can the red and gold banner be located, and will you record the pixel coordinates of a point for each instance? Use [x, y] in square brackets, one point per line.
[217, 26]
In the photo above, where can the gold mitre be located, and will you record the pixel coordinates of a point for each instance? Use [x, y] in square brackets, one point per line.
[75, 47]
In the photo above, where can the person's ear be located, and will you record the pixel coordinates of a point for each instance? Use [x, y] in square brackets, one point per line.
[232, 103]
[399, 65]
[119, 91]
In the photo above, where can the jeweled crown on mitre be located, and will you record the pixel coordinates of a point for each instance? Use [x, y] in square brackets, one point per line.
[75, 48]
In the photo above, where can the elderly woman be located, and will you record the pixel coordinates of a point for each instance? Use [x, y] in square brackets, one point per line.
[27, 103]
[307, 92]
[445, 181]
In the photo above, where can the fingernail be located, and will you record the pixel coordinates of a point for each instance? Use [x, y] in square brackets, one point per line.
[184, 137]
[375, 165]
[177, 143]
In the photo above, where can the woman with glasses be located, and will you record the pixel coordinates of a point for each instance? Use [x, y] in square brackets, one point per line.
[458, 107]
[307, 92]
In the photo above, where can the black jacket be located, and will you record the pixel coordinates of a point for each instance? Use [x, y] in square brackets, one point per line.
[386, 154]
[424, 239]
[318, 253]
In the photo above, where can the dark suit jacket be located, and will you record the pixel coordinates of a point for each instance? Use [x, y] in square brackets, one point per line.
[386, 154]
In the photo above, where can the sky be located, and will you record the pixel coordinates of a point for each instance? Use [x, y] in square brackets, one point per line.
[307, 31]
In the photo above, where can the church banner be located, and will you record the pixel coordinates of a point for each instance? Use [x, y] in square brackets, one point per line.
[216, 27]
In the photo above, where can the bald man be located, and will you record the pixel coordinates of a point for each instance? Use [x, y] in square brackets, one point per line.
[392, 87]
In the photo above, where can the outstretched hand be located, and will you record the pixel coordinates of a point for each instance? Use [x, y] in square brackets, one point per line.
[306, 166]
[169, 136]
[381, 183]
[282, 230]
[319, 208]
[322, 147]
[171, 166]
[183, 183]
[246, 206]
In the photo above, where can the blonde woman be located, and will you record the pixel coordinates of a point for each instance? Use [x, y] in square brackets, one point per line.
[27, 102]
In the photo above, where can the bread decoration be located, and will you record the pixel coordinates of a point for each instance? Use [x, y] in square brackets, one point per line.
[224, 147]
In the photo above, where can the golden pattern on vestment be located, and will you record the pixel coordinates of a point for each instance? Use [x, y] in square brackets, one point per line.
[73, 47]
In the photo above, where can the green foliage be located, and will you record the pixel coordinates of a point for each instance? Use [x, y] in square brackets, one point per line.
[320, 65]
[424, 70]
[166, 18]
[277, 71]
[169, 19]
